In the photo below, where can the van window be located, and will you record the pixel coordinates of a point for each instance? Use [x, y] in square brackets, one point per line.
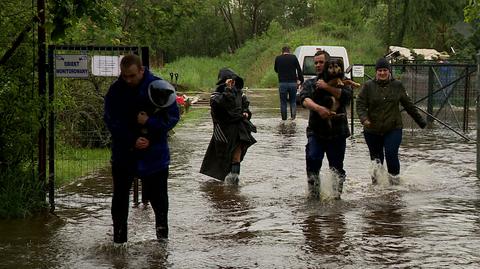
[309, 66]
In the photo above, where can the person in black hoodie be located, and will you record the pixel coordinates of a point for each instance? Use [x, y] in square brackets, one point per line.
[290, 76]
[231, 128]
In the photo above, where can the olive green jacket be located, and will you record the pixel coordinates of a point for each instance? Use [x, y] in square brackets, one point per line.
[379, 101]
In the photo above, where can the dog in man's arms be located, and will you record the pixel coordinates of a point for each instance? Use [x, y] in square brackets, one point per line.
[334, 75]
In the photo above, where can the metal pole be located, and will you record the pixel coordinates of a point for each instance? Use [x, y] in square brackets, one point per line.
[51, 130]
[430, 95]
[478, 115]
[42, 79]
[466, 101]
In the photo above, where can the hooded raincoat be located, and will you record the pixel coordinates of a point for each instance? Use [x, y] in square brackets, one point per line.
[230, 127]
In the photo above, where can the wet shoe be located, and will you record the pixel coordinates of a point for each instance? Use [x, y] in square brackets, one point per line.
[339, 189]
[162, 232]
[374, 180]
[311, 179]
[232, 178]
[394, 180]
[120, 233]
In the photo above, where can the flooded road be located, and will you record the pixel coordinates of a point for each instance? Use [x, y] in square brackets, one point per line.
[432, 220]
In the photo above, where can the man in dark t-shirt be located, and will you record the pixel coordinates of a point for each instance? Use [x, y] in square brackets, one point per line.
[289, 77]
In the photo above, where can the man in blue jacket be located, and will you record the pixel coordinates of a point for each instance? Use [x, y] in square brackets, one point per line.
[139, 112]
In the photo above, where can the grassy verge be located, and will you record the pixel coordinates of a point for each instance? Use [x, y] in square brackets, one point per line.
[73, 163]
[254, 61]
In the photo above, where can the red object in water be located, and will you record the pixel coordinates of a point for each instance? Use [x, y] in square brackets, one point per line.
[180, 100]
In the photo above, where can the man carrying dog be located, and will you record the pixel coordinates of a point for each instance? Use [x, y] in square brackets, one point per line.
[323, 138]
[289, 76]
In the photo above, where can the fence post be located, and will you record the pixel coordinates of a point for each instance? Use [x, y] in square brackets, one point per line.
[478, 114]
[430, 94]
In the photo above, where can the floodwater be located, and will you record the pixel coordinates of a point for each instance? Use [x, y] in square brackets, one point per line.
[270, 220]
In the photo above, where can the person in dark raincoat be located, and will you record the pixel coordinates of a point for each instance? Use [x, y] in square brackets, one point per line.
[231, 128]
[135, 153]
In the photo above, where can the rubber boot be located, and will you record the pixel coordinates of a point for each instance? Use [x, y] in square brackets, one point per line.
[313, 180]
[338, 187]
[161, 226]
[120, 233]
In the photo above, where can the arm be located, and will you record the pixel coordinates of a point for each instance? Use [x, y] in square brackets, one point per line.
[275, 67]
[407, 103]
[362, 104]
[299, 71]
[224, 108]
[336, 92]
[306, 97]
[164, 122]
[245, 107]
[116, 120]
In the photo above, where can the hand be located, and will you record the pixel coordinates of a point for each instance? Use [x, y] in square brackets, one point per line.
[245, 115]
[299, 84]
[142, 117]
[324, 112]
[142, 143]
[321, 84]
[422, 124]
[367, 123]
[229, 83]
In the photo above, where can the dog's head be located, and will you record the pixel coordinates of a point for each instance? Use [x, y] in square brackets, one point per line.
[333, 69]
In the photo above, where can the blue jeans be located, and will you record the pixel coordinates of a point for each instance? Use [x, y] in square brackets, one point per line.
[288, 93]
[334, 149]
[388, 142]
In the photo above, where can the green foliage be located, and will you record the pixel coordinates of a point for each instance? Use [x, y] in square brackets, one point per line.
[254, 61]
[20, 194]
[472, 11]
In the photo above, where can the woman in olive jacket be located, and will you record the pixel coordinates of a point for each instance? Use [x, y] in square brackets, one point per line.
[379, 113]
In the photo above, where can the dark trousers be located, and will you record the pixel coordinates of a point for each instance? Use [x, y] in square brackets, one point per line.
[122, 174]
[385, 147]
[317, 148]
[155, 188]
[288, 95]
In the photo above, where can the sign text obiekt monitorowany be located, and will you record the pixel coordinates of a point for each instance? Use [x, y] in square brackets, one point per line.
[71, 65]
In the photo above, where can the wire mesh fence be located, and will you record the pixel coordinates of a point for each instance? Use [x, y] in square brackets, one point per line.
[444, 90]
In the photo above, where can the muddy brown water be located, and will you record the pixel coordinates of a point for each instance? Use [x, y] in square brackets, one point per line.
[432, 220]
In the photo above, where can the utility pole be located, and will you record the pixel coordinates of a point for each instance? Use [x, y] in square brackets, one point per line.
[42, 86]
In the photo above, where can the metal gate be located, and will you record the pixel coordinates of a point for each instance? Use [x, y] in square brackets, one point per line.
[79, 77]
[445, 92]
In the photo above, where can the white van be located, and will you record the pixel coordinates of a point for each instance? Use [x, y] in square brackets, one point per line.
[305, 58]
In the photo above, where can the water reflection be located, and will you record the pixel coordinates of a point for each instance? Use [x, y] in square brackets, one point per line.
[287, 128]
[431, 220]
[232, 208]
[324, 233]
[385, 230]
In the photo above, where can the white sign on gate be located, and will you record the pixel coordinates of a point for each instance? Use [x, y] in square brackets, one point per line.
[71, 65]
[106, 66]
[358, 71]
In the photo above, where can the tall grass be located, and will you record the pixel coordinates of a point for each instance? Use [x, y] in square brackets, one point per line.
[21, 194]
[254, 61]
[72, 162]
